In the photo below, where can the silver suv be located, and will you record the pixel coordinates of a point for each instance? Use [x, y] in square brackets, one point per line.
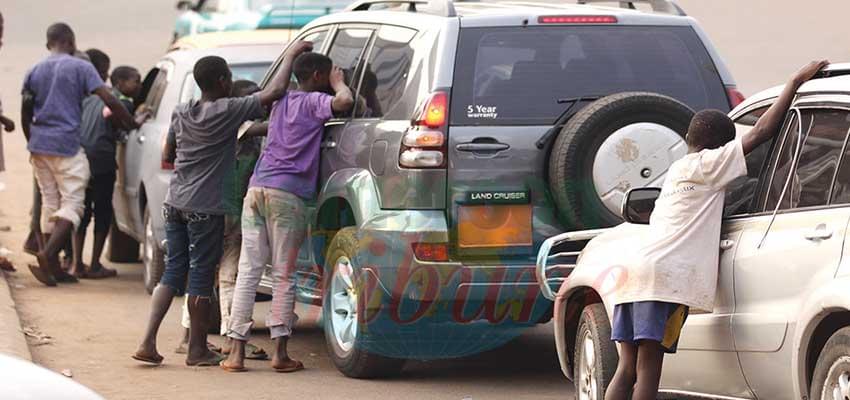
[483, 128]
[780, 328]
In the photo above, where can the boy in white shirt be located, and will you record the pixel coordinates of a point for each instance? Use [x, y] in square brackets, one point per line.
[676, 269]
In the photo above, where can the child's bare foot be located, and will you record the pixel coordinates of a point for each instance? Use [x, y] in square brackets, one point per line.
[42, 270]
[280, 358]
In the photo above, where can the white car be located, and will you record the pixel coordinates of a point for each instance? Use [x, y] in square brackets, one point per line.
[22, 380]
[780, 328]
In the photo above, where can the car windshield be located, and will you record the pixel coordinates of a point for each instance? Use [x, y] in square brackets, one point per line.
[515, 76]
[251, 72]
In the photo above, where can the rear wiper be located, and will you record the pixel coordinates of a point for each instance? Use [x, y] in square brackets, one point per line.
[562, 119]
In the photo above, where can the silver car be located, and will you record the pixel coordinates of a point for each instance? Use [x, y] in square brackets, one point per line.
[780, 328]
[143, 178]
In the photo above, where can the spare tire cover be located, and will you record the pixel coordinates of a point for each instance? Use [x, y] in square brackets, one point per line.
[616, 143]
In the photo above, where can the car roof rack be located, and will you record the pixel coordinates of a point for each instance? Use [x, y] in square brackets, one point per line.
[661, 6]
[443, 8]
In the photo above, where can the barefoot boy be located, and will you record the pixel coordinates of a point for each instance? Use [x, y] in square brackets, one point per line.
[273, 216]
[205, 131]
[677, 268]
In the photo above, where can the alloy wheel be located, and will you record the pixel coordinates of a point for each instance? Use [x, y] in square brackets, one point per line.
[147, 251]
[343, 299]
[837, 386]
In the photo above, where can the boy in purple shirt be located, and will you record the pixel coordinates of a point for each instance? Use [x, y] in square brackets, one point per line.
[58, 85]
[273, 215]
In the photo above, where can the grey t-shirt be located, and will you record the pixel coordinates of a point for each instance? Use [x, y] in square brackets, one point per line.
[206, 139]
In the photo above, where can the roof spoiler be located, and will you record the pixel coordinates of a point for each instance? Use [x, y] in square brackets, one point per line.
[660, 6]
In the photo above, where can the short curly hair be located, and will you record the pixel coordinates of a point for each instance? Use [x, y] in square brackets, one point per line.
[710, 129]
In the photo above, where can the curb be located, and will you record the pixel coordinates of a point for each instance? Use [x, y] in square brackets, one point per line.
[12, 340]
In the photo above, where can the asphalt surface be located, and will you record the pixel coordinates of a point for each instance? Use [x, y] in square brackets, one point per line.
[94, 326]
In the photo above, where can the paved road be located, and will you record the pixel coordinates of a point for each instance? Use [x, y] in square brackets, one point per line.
[95, 325]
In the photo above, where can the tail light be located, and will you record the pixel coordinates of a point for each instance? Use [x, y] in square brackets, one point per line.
[734, 95]
[424, 143]
[431, 251]
[167, 157]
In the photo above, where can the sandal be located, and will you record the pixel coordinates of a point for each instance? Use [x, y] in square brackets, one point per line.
[99, 273]
[232, 369]
[149, 360]
[212, 361]
[40, 273]
[292, 366]
[255, 353]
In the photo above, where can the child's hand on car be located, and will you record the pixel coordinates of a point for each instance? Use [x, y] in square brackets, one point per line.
[299, 47]
[809, 71]
[337, 77]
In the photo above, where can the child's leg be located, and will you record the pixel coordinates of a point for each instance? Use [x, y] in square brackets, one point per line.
[650, 356]
[624, 379]
[206, 235]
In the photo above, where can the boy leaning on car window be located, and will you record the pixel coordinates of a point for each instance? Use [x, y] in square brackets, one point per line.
[676, 267]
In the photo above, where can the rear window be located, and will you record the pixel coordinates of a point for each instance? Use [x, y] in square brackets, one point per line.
[515, 76]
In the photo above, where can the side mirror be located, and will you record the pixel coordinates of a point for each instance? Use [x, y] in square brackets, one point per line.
[185, 5]
[638, 205]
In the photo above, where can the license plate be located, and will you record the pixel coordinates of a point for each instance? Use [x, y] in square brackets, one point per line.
[488, 226]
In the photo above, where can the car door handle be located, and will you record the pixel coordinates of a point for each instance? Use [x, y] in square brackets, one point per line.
[328, 145]
[819, 233]
[726, 244]
[140, 138]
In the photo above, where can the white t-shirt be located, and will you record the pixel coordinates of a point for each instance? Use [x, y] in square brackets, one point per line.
[678, 260]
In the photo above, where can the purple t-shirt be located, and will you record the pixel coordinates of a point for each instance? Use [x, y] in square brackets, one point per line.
[290, 161]
[59, 83]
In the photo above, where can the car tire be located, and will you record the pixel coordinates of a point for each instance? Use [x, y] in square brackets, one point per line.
[346, 351]
[121, 248]
[595, 355]
[597, 155]
[153, 257]
[833, 368]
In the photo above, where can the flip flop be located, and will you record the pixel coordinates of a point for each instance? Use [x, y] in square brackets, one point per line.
[149, 360]
[295, 366]
[213, 361]
[255, 353]
[65, 277]
[40, 273]
[232, 369]
[100, 273]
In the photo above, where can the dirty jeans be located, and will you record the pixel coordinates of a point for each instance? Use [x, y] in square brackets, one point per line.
[226, 272]
[274, 223]
[194, 242]
[63, 182]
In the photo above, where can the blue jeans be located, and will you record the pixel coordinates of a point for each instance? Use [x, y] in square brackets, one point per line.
[194, 244]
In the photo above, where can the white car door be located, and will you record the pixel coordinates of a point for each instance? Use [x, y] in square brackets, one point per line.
[779, 259]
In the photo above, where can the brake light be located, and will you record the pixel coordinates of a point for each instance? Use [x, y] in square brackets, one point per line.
[577, 19]
[734, 95]
[434, 113]
[424, 143]
[431, 251]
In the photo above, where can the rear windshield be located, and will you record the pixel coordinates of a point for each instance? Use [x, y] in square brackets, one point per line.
[515, 76]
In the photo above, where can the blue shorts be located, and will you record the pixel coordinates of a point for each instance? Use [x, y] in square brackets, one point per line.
[649, 320]
[195, 243]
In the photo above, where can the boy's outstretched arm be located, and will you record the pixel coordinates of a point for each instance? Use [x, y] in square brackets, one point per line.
[769, 123]
[280, 81]
[343, 100]
[119, 112]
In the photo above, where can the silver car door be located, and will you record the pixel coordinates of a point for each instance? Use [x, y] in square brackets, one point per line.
[781, 258]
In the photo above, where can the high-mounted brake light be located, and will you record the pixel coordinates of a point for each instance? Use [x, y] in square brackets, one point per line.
[734, 95]
[577, 19]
